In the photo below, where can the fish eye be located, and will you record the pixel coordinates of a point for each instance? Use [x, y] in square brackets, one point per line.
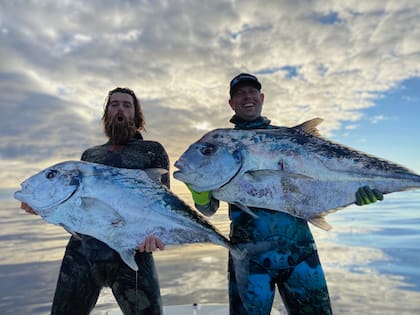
[51, 174]
[208, 149]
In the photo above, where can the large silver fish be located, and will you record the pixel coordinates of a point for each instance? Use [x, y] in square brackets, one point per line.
[120, 207]
[293, 170]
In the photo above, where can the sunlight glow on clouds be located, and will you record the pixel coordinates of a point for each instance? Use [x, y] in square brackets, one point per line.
[202, 126]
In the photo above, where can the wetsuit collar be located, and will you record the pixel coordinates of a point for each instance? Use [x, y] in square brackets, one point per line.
[258, 123]
[116, 147]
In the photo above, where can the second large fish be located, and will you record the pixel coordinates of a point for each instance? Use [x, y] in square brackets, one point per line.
[293, 170]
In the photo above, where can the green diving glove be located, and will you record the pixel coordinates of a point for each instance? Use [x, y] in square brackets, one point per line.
[200, 198]
[365, 196]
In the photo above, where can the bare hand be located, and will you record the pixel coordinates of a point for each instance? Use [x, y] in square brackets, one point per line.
[150, 244]
[27, 208]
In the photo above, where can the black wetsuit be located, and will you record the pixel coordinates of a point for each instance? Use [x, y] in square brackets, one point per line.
[89, 264]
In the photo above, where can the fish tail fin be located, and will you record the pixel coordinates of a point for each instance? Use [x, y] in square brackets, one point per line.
[241, 262]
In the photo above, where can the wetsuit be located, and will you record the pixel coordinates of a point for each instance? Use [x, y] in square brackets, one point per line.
[89, 264]
[290, 259]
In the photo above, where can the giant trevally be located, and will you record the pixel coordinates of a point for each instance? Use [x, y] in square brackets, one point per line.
[119, 207]
[293, 170]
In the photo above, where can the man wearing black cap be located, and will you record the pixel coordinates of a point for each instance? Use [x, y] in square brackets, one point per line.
[292, 261]
[246, 99]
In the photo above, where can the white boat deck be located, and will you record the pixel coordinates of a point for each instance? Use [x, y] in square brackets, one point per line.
[195, 309]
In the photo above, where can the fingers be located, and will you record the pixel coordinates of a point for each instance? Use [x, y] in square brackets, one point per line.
[365, 196]
[359, 197]
[151, 244]
[159, 244]
[378, 194]
[370, 196]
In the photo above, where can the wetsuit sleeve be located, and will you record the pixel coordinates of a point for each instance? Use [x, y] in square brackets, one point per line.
[162, 161]
[84, 156]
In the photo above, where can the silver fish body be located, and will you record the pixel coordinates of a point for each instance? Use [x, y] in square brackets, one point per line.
[120, 207]
[293, 170]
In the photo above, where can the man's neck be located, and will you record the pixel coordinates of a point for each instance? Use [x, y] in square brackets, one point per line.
[257, 123]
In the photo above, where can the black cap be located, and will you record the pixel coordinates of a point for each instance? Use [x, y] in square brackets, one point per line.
[244, 79]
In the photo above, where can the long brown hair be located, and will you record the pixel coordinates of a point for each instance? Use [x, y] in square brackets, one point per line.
[138, 114]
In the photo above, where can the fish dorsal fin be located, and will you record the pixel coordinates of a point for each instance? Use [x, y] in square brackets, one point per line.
[310, 126]
[319, 221]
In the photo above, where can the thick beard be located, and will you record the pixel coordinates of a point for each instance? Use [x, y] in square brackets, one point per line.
[119, 132]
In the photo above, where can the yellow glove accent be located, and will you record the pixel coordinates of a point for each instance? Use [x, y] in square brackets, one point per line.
[200, 198]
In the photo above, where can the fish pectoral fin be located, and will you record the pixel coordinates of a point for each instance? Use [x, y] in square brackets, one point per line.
[100, 208]
[77, 236]
[319, 221]
[128, 257]
[245, 208]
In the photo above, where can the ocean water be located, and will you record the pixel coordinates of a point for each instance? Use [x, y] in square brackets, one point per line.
[371, 259]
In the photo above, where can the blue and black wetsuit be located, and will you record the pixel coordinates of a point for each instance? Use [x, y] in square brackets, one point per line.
[89, 264]
[290, 261]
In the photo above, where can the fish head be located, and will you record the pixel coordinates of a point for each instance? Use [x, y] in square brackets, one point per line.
[49, 188]
[207, 166]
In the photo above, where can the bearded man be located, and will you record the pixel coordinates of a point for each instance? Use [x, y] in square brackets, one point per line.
[89, 264]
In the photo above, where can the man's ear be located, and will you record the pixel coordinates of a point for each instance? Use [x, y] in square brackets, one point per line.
[231, 104]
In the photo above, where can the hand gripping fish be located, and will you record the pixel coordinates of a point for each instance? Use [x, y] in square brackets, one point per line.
[293, 170]
[119, 207]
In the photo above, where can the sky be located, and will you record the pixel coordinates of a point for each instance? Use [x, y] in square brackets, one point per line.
[356, 64]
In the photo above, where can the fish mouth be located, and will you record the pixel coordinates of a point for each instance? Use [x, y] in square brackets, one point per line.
[19, 195]
[178, 175]
[23, 196]
[185, 177]
[183, 174]
[186, 180]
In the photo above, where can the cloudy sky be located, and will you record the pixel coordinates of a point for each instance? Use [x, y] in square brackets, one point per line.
[354, 63]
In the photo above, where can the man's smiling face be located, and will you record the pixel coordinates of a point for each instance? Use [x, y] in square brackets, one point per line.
[247, 102]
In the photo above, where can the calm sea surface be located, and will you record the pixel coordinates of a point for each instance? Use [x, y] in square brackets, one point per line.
[371, 260]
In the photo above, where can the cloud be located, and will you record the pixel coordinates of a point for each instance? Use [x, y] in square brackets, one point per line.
[314, 58]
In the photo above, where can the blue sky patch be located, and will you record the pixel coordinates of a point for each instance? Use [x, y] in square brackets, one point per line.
[328, 19]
